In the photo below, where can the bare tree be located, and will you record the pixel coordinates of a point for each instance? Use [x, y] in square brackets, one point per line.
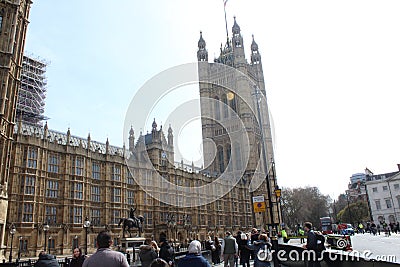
[303, 204]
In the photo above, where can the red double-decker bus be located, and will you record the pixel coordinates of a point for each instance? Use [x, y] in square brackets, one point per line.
[326, 225]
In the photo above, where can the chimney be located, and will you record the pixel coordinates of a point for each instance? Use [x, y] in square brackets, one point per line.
[398, 166]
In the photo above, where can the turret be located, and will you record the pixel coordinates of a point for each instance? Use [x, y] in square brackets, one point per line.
[202, 54]
[255, 54]
[68, 136]
[170, 136]
[107, 146]
[237, 44]
[88, 142]
[131, 139]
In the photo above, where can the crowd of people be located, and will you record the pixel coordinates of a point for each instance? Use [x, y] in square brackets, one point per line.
[378, 228]
[239, 249]
[232, 250]
[150, 254]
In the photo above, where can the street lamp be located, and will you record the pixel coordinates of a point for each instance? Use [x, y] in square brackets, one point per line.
[86, 225]
[12, 232]
[46, 228]
[278, 193]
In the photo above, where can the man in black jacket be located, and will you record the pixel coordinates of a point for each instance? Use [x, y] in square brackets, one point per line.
[46, 260]
[166, 251]
[311, 245]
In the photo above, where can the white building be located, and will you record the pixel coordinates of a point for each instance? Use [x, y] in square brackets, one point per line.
[384, 197]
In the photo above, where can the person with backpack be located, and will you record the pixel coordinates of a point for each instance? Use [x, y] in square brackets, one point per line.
[166, 251]
[262, 251]
[315, 244]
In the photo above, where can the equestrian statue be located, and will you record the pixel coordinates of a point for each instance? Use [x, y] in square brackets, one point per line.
[132, 222]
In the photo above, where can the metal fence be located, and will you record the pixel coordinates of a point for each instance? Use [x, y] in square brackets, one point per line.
[30, 263]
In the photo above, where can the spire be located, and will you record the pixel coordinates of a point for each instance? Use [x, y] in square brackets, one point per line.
[254, 45]
[202, 54]
[154, 125]
[235, 27]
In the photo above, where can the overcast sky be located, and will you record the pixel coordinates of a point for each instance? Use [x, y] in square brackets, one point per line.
[331, 69]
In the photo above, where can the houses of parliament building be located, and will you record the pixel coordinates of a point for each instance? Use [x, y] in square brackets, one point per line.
[57, 181]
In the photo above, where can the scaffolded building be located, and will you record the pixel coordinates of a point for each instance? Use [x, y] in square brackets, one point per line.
[32, 93]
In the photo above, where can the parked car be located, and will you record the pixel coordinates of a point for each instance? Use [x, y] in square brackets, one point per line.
[349, 230]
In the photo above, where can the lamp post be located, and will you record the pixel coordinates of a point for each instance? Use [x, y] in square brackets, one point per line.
[264, 153]
[348, 206]
[86, 225]
[46, 228]
[12, 232]
[278, 193]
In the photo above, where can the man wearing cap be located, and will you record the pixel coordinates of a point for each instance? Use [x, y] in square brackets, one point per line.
[229, 250]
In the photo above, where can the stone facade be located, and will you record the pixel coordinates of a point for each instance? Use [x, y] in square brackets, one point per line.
[13, 24]
[384, 197]
[60, 179]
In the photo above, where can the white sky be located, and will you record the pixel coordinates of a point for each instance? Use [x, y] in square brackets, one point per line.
[331, 69]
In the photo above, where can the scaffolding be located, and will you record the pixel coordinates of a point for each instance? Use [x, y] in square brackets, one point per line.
[32, 93]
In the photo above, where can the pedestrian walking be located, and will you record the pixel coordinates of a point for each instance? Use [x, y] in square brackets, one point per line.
[166, 251]
[254, 237]
[104, 256]
[301, 233]
[147, 253]
[244, 251]
[216, 251]
[262, 251]
[77, 258]
[194, 258]
[229, 250]
[312, 245]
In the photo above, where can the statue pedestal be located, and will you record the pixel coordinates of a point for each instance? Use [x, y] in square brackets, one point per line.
[130, 246]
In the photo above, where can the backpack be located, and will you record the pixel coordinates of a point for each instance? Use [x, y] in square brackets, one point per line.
[320, 241]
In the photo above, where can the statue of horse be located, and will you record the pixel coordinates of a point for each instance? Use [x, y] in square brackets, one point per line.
[129, 223]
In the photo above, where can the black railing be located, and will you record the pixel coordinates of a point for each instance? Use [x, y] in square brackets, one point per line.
[30, 263]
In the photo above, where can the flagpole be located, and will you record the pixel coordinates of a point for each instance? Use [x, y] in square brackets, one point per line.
[226, 24]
